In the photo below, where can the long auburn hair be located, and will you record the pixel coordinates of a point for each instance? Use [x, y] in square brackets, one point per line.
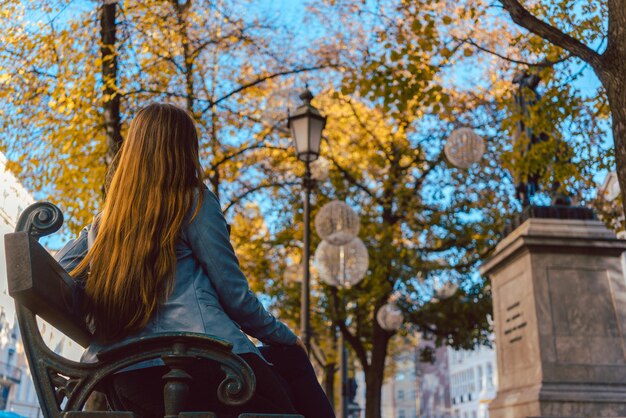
[132, 261]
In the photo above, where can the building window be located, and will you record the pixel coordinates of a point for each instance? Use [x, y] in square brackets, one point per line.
[489, 376]
[400, 394]
[481, 384]
[4, 394]
[401, 414]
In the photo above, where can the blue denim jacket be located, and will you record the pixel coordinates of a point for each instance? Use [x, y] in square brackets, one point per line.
[210, 295]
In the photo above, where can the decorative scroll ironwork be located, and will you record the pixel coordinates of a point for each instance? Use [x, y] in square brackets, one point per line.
[40, 219]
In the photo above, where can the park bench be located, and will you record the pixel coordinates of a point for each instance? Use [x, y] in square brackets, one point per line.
[41, 287]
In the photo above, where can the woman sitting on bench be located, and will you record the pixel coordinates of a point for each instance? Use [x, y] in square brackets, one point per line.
[158, 258]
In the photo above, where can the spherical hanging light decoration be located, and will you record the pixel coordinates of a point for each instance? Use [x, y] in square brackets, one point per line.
[337, 223]
[464, 147]
[389, 317]
[341, 265]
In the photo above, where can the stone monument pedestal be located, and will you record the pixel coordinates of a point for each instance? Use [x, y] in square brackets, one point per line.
[559, 297]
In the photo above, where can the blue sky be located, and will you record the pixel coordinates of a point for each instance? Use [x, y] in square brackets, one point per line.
[290, 13]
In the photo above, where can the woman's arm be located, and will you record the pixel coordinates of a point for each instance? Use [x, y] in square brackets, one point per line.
[208, 236]
[73, 252]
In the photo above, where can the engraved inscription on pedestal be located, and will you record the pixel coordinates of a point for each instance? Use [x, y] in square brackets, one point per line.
[585, 325]
[514, 306]
[514, 323]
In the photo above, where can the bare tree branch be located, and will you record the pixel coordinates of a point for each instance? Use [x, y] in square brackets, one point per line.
[318, 354]
[366, 128]
[525, 19]
[352, 179]
[262, 79]
[542, 64]
[242, 196]
[258, 145]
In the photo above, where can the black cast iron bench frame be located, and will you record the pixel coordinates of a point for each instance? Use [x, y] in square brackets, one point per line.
[41, 287]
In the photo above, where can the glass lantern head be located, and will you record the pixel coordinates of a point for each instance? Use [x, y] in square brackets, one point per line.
[306, 125]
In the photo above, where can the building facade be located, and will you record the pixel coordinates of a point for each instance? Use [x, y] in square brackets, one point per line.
[17, 392]
[400, 392]
[473, 381]
[434, 384]
[457, 384]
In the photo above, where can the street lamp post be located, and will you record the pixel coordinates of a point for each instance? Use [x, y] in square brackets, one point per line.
[306, 125]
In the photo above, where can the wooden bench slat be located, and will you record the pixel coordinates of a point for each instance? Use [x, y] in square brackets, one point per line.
[38, 282]
[138, 344]
[99, 414]
[249, 415]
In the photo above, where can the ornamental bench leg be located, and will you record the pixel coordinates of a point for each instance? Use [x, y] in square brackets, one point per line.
[175, 392]
[252, 415]
[176, 389]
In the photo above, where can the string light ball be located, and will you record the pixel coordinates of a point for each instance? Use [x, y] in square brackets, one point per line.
[390, 317]
[464, 148]
[342, 265]
[337, 223]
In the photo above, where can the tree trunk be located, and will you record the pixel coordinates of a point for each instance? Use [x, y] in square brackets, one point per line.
[373, 389]
[111, 101]
[616, 93]
[375, 373]
[329, 382]
[181, 12]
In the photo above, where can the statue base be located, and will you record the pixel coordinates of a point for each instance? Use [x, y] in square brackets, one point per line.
[559, 297]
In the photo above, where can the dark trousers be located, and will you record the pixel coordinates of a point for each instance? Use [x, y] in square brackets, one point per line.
[289, 385]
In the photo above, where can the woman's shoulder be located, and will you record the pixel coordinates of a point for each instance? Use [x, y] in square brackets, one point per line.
[207, 200]
[205, 208]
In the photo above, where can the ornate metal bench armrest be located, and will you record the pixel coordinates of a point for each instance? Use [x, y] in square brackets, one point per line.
[178, 351]
[238, 385]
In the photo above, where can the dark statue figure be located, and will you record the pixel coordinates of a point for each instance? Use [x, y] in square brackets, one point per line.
[526, 188]
[561, 207]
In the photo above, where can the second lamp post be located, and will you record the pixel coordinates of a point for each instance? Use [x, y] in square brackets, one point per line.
[306, 125]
